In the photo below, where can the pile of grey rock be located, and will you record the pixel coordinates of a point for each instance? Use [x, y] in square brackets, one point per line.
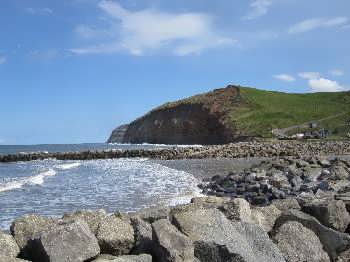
[279, 178]
[210, 229]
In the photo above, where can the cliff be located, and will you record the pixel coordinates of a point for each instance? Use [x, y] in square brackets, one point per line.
[235, 114]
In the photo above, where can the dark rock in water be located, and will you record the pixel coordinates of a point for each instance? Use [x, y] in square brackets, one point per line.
[27, 228]
[299, 244]
[115, 236]
[67, 242]
[332, 213]
[170, 244]
[333, 242]
[8, 246]
[118, 134]
[218, 239]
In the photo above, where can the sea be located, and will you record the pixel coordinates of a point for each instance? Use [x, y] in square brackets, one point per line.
[54, 187]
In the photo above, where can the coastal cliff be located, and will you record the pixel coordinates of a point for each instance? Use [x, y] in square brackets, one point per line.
[238, 113]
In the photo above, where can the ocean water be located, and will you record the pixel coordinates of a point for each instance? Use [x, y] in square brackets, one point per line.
[53, 187]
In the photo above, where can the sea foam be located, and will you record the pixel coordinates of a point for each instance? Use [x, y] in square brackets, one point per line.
[68, 166]
[32, 180]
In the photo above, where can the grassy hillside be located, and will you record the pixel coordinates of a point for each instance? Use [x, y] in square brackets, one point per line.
[266, 110]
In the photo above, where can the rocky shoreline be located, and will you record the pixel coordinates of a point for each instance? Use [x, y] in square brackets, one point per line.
[235, 150]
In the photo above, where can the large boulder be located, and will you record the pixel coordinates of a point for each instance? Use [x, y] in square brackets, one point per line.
[286, 204]
[170, 244]
[216, 238]
[237, 210]
[127, 258]
[332, 213]
[26, 229]
[92, 218]
[11, 259]
[115, 236]
[8, 245]
[143, 236]
[265, 217]
[299, 244]
[333, 242]
[153, 214]
[67, 242]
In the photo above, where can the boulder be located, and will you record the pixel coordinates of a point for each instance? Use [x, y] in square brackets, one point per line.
[170, 244]
[265, 217]
[25, 229]
[127, 258]
[8, 245]
[216, 238]
[237, 209]
[153, 214]
[11, 259]
[332, 213]
[286, 204]
[299, 244]
[333, 242]
[115, 236]
[92, 218]
[344, 256]
[143, 236]
[67, 242]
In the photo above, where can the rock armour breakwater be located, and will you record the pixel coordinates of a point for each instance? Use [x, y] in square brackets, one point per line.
[234, 150]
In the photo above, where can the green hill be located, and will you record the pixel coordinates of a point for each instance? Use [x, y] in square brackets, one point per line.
[238, 113]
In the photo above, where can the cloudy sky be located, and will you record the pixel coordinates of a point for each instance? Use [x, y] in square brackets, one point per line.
[72, 70]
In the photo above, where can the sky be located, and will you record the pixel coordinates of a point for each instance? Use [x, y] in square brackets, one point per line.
[72, 70]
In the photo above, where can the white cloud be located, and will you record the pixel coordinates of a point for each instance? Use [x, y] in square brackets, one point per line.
[2, 60]
[325, 85]
[39, 11]
[309, 75]
[284, 77]
[44, 55]
[150, 29]
[337, 72]
[316, 23]
[88, 32]
[258, 8]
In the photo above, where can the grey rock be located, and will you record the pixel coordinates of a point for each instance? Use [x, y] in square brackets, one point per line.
[92, 218]
[333, 242]
[153, 214]
[344, 256]
[143, 236]
[8, 245]
[286, 204]
[237, 210]
[332, 213]
[26, 229]
[11, 259]
[265, 217]
[312, 174]
[299, 244]
[218, 239]
[115, 236]
[127, 258]
[67, 242]
[170, 244]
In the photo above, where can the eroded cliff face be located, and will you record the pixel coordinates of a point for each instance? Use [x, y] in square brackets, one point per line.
[200, 119]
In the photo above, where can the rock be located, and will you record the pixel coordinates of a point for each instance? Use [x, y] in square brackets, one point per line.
[115, 236]
[170, 244]
[344, 256]
[210, 201]
[92, 218]
[143, 236]
[299, 244]
[67, 242]
[333, 242]
[153, 214]
[11, 259]
[339, 172]
[286, 204]
[265, 217]
[26, 228]
[331, 213]
[237, 210]
[324, 163]
[128, 258]
[218, 239]
[312, 174]
[8, 245]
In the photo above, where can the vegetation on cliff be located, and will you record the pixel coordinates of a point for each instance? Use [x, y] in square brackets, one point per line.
[240, 113]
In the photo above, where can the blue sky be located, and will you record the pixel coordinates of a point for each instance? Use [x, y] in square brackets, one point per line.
[72, 70]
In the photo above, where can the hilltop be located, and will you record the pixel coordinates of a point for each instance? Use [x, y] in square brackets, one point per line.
[237, 113]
